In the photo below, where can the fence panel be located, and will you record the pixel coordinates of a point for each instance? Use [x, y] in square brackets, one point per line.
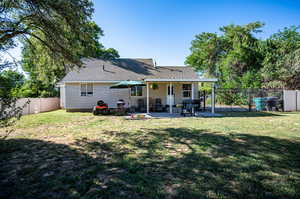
[238, 100]
[291, 100]
[38, 105]
[298, 101]
[48, 104]
[242, 100]
[22, 103]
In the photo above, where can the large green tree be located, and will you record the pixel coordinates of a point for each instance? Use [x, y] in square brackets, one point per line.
[282, 59]
[54, 24]
[44, 72]
[10, 81]
[12, 78]
[233, 56]
[60, 26]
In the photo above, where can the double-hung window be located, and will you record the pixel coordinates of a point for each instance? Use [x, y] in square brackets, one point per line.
[186, 90]
[86, 89]
[136, 91]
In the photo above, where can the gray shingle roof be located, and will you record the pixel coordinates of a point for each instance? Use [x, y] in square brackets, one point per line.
[127, 69]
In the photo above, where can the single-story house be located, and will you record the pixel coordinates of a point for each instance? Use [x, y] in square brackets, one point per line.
[82, 88]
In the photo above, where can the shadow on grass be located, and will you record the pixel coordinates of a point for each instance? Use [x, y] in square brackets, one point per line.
[152, 163]
[163, 115]
[250, 114]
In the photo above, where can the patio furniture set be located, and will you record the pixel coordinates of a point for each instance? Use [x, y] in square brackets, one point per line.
[187, 107]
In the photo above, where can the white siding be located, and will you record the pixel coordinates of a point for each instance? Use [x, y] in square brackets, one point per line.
[70, 94]
[161, 92]
[62, 96]
[196, 90]
[100, 92]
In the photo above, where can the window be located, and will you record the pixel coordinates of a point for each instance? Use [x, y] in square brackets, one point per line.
[137, 91]
[186, 90]
[86, 90]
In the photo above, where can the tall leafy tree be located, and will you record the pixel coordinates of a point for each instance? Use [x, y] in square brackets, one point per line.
[282, 59]
[54, 24]
[57, 25]
[11, 79]
[233, 57]
[44, 72]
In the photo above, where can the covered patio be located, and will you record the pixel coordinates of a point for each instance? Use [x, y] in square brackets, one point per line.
[171, 93]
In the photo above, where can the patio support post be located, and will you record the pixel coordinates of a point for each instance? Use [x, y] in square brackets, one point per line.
[213, 98]
[148, 97]
[193, 96]
[170, 98]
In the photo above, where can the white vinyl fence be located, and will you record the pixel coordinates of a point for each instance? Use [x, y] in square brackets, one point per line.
[291, 100]
[38, 105]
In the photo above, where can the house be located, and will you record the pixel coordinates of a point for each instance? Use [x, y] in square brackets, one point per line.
[81, 88]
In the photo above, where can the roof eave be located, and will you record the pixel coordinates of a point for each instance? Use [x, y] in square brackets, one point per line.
[91, 81]
[183, 80]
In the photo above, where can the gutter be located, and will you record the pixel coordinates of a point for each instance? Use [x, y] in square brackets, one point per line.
[182, 80]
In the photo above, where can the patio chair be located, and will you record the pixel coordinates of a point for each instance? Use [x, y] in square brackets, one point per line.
[151, 104]
[187, 108]
[158, 107]
[141, 106]
[197, 105]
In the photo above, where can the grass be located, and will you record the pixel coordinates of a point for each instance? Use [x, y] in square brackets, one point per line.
[78, 155]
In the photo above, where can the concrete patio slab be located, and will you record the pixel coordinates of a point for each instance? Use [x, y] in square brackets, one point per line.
[209, 114]
[178, 115]
[165, 115]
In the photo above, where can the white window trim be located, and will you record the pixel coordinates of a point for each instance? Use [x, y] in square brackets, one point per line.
[136, 92]
[86, 90]
[186, 91]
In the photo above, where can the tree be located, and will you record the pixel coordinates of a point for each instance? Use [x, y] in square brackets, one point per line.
[206, 51]
[60, 26]
[232, 57]
[10, 82]
[35, 88]
[282, 59]
[58, 23]
[11, 79]
[44, 72]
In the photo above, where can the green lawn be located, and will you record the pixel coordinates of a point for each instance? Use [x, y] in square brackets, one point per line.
[78, 155]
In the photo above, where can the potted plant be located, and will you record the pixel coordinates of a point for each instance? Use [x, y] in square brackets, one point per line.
[154, 86]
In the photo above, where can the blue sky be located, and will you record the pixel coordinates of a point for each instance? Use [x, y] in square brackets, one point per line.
[164, 29]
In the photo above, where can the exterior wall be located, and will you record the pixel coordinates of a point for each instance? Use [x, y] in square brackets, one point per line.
[134, 99]
[196, 90]
[161, 92]
[101, 91]
[62, 96]
[70, 94]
